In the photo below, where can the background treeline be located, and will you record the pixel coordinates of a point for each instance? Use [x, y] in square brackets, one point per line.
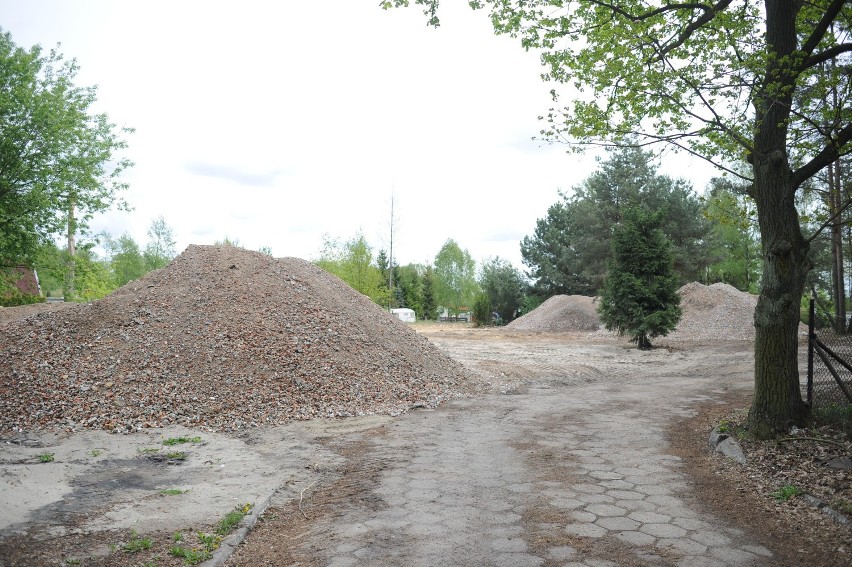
[712, 238]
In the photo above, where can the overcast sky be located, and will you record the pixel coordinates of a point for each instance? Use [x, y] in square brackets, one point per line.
[277, 122]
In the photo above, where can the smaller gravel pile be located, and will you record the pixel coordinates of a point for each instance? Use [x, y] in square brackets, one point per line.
[715, 312]
[221, 338]
[560, 313]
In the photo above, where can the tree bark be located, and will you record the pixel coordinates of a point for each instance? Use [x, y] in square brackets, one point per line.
[777, 402]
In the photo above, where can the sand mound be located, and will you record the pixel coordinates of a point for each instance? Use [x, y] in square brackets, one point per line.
[715, 312]
[560, 313]
[220, 338]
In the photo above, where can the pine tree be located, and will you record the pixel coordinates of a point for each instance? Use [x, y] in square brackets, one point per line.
[639, 297]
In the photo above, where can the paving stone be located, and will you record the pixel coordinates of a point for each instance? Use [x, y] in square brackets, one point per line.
[663, 530]
[502, 518]
[513, 560]
[585, 530]
[510, 545]
[606, 510]
[636, 538]
[758, 550]
[691, 524]
[429, 530]
[617, 484]
[637, 505]
[732, 556]
[699, 561]
[582, 453]
[606, 475]
[710, 537]
[343, 562]
[589, 488]
[346, 548]
[566, 503]
[652, 489]
[422, 495]
[496, 505]
[617, 523]
[685, 546]
[663, 500]
[509, 532]
[595, 498]
[647, 517]
[625, 494]
[582, 516]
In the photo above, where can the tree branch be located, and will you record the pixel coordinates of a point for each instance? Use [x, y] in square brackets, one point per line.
[656, 12]
[830, 220]
[825, 157]
[706, 17]
[827, 55]
[819, 31]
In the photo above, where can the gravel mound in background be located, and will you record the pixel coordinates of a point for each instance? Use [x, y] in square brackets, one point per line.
[560, 313]
[715, 312]
[221, 338]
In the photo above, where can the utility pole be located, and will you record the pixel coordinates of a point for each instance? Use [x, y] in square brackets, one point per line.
[390, 257]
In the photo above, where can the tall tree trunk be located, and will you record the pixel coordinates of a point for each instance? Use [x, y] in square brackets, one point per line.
[777, 401]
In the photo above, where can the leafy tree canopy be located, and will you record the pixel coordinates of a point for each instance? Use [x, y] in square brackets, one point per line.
[570, 247]
[161, 244]
[59, 162]
[503, 285]
[352, 262]
[455, 277]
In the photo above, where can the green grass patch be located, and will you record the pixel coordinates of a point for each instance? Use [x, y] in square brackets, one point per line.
[176, 455]
[45, 458]
[190, 556]
[786, 492]
[234, 517]
[96, 452]
[137, 544]
[180, 440]
[173, 491]
[839, 416]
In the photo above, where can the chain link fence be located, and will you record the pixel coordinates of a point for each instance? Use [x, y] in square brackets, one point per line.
[829, 367]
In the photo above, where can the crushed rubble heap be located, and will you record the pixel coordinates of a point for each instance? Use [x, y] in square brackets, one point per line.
[560, 313]
[221, 338]
[715, 312]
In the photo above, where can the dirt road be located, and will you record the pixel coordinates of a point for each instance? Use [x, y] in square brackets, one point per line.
[568, 465]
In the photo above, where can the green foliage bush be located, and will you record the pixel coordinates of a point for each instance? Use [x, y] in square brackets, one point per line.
[10, 295]
[481, 310]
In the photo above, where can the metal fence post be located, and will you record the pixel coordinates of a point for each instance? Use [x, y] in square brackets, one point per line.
[811, 337]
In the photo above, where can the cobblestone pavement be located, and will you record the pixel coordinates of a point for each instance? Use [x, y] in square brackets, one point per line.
[571, 468]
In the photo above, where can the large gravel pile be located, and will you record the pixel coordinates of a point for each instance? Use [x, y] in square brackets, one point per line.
[560, 313]
[715, 312]
[221, 338]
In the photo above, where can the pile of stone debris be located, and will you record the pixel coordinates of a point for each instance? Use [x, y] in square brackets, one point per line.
[221, 338]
